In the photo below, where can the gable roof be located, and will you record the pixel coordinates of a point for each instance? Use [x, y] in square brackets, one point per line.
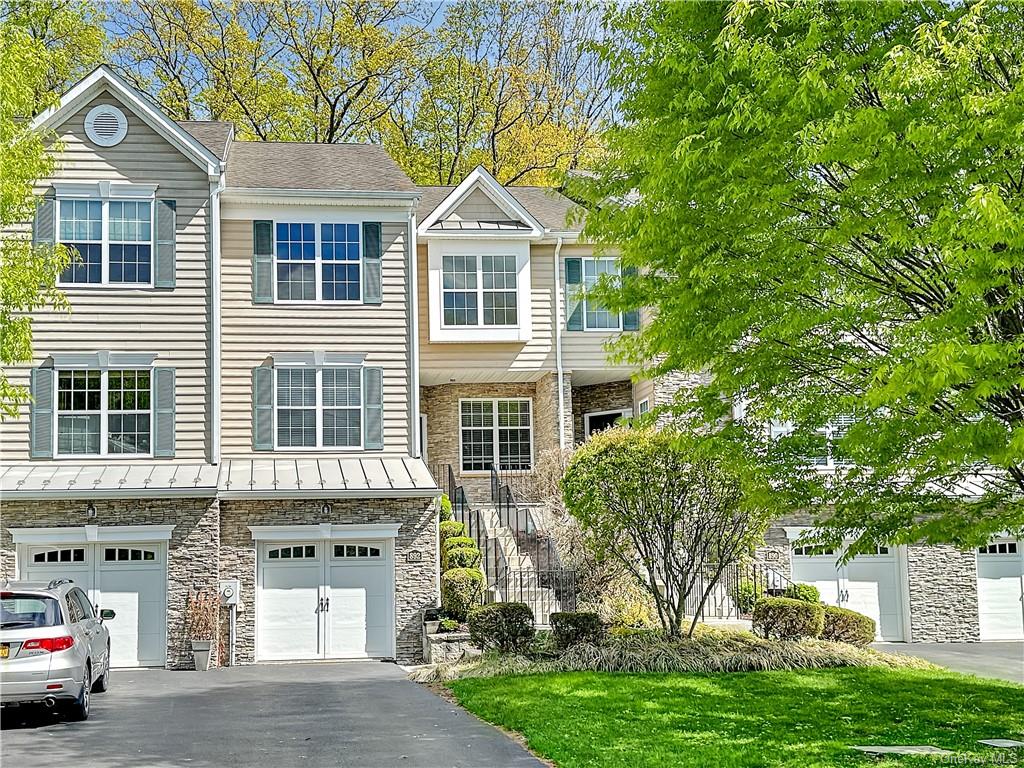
[479, 179]
[104, 78]
[546, 205]
[296, 166]
[215, 135]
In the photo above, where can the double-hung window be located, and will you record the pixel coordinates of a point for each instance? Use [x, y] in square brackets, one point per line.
[317, 262]
[595, 316]
[495, 431]
[112, 240]
[479, 290]
[104, 412]
[318, 407]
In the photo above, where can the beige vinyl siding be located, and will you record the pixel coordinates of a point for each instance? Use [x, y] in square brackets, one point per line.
[171, 323]
[583, 350]
[477, 207]
[251, 332]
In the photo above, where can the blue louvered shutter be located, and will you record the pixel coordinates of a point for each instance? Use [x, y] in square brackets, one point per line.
[263, 262]
[41, 413]
[163, 412]
[263, 408]
[164, 240]
[373, 289]
[373, 408]
[573, 294]
[630, 319]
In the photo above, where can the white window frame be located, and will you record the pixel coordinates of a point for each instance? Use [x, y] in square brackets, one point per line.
[318, 261]
[104, 413]
[583, 274]
[318, 408]
[106, 192]
[381, 546]
[625, 413]
[495, 430]
[643, 407]
[481, 292]
[438, 248]
[777, 429]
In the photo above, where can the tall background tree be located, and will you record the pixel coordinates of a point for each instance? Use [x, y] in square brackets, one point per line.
[44, 46]
[825, 204]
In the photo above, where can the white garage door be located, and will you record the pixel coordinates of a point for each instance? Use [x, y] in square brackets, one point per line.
[1001, 590]
[131, 579]
[868, 584]
[324, 599]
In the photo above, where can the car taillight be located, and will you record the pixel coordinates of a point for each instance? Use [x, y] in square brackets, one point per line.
[49, 644]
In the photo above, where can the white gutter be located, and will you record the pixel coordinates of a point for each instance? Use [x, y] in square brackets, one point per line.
[414, 338]
[558, 345]
[215, 315]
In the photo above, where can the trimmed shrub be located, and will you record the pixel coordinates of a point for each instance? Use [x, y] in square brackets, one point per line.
[573, 628]
[845, 626]
[448, 625]
[446, 508]
[461, 557]
[782, 618]
[461, 589]
[806, 592]
[449, 529]
[455, 542]
[506, 627]
[745, 594]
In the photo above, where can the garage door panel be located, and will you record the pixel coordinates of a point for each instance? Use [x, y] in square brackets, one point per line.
[289, 623]
[1000, 589]
[359, 615]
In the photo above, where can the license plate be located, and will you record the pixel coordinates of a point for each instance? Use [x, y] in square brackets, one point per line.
[5, 650]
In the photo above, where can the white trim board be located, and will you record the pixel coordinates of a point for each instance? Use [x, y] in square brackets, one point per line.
[324, 532]
[88, 534]
[480, 178]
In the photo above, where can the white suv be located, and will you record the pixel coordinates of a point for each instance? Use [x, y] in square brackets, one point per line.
[54, 649]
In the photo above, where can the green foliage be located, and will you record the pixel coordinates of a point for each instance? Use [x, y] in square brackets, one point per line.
[572, 628]
[448, 625]
[782, 618]
[461, 557]
[665, 508]
[806, 592]
[446, 508]
[745, 594]
[845, 626]
[827, 216]
[457, 542]
[449, 529]
[461, 589]
[505, 627]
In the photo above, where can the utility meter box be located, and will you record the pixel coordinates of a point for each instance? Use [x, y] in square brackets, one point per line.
[230, 590]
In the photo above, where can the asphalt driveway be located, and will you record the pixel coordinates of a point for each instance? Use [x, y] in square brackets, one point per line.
[344, 714]
[1003, 660]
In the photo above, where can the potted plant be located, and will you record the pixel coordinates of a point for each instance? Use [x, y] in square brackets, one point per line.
[203, 611]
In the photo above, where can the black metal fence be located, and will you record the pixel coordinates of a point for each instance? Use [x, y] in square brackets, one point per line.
[734, 594]
[546, 591]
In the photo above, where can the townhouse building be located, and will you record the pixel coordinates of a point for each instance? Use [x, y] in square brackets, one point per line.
[267, 346]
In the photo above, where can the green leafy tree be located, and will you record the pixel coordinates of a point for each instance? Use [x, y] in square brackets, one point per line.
[824, 203]
[30, 67]
[674, 514]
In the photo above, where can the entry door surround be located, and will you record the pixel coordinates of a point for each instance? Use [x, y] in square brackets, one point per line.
[324, 536]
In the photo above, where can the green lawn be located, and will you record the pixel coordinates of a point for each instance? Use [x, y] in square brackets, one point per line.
[748, 719]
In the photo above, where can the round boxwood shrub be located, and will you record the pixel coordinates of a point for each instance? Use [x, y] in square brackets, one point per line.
[507, 627]
[461, 589]
[445, 513]
[845, 626]
[782, 618]
[575, 627]
[806, 592]
[455, 542]
[449, 529]
[745, 594]
[461, 557]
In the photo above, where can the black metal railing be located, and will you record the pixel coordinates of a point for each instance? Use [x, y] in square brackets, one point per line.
[546, 591]
[521, 482]
[733, 595]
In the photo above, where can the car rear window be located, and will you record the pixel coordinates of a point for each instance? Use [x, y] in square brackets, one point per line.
[28, 611]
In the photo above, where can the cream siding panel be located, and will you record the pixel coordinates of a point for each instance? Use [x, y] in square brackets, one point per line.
[251, 332]
[477, 207]
[172, 323]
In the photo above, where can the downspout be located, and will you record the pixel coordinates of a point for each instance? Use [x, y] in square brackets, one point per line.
[558, 345]
[215, 315]
[414, 338]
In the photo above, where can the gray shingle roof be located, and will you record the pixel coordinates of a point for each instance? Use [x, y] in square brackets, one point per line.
[212, 134]
[297, 166]
[546, 205]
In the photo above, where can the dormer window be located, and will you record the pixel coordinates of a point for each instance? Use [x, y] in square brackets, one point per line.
[479, 290]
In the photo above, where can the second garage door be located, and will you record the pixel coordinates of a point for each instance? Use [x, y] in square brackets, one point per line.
[1001, 590]
[324, 599]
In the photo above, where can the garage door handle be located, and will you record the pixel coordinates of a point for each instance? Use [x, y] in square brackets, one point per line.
[327, 604]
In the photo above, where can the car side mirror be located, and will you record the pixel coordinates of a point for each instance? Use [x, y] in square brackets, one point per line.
[106, 614]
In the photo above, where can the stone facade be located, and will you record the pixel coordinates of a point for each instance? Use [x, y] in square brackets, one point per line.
[440, 404]
[415, 575]
[611, 396]
[191, 551]
[943, 586]
[546, 414]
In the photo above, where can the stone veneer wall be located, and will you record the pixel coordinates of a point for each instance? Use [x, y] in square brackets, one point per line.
[191, 552]
[440, 404]
[593, 398]
[943, 583]
[415, 580]
[546, 410]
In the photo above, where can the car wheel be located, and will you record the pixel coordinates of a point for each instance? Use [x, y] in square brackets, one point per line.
[103, 683]
[79, 709]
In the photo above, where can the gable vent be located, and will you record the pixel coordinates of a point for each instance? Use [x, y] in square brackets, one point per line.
[106, 125]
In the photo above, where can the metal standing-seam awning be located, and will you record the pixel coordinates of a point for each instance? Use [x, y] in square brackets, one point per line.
[135, 480]
[347, 477]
